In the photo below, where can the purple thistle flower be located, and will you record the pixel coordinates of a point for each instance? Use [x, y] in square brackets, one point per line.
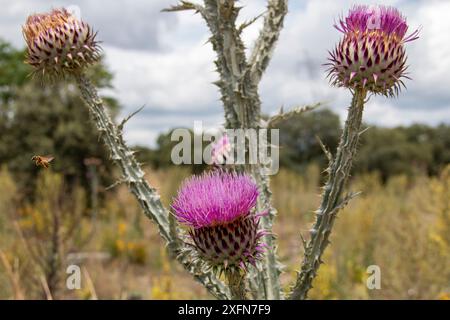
[387, 19]
[218, 206]
[215, 198]
[371, 54]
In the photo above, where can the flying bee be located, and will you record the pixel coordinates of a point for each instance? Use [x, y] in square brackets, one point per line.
[42, 161]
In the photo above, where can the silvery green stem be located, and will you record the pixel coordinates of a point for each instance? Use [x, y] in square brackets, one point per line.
[283, 116]
[236, 282]
[268, 37]
[239, 94]
[258, 62]
[332, 197]
[146, 195]
[269, 276]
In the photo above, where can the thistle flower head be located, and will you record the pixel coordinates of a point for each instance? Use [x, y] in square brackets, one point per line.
[371, 54]
[217, 206]
[58, 42]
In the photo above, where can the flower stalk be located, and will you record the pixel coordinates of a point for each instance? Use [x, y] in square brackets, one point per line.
[236, 282]
[332, 196]
[370, 58]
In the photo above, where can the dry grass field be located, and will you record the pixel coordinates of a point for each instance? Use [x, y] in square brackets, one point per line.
[402, 226]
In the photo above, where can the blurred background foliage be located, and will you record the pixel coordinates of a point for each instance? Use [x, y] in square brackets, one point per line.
[387, 151]
[64, 215]
[42, 120]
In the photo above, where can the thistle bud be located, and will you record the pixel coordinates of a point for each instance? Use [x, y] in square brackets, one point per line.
[59, 43]
[218, 208]
[371, 54]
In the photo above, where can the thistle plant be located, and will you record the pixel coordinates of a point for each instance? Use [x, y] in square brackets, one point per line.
[370, 58]
[111, 134]
[221, 211]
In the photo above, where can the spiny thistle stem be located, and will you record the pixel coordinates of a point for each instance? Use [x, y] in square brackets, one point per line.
[146, 195]
[133, 174]
[236, 282]
[239, 88]
[270, 276]
[332, 201]
[268, 37]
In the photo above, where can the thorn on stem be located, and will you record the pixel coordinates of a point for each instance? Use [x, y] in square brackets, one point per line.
[125, 120]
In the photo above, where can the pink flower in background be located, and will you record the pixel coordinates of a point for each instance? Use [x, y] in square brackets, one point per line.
[221, 150]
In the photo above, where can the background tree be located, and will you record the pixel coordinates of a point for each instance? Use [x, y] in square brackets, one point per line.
[416, 149]
[37, 119]
[299, 138]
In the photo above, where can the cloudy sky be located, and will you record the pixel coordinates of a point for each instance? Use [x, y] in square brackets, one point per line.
[162, 60]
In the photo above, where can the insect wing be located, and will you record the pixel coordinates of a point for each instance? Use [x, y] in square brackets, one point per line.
[48, 158]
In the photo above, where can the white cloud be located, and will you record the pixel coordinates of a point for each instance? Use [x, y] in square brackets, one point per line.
[136, 24]
[175, 80]
[162, 60]
[297, 77]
